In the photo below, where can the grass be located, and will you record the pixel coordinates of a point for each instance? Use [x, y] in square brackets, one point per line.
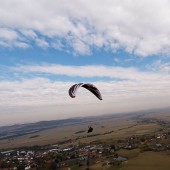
[148, 161]
[120, 127]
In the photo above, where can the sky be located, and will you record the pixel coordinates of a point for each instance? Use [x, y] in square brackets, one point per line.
[46, 46]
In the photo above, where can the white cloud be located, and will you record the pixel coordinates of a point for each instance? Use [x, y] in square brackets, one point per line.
[8, 34]
[29, 33]
[39, 91]
[160, 66]
[10, 38]
[43, 99]
[93, 71]
[42, 43]
[141, 27]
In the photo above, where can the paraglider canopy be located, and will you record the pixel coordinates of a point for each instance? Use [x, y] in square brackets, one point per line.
[73, 89]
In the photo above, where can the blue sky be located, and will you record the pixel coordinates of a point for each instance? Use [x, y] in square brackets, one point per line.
[123, 47]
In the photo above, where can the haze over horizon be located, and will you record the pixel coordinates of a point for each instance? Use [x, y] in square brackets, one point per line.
[123, 47]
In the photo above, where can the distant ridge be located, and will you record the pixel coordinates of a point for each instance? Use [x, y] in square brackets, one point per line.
[9, 132]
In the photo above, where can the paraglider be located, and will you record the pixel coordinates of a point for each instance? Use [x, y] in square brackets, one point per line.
[73, 89]
[90, 130]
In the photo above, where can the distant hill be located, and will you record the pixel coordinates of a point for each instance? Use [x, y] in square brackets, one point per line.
[24, 129]
[8, 132]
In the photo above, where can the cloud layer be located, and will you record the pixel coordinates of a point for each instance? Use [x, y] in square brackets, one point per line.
[126, 84]
[82, 27]
[137, 27]
[94, 71]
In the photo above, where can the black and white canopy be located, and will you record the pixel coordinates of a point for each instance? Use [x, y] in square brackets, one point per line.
[73, 89]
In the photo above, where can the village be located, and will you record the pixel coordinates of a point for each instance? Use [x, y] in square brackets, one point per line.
[83, 155]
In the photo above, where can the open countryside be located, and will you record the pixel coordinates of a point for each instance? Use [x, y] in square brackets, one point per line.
[84, 85]
[123, 141]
